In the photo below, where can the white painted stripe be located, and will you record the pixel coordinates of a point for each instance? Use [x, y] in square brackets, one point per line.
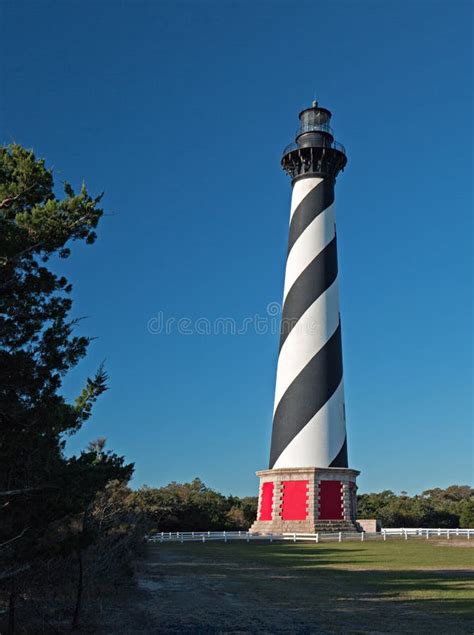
[319, 442]
[314, 328]
[301, 189]
[312, 241]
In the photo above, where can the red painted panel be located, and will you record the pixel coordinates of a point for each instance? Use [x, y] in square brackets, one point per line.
[295, 500]
[330, 500]
[266, 505]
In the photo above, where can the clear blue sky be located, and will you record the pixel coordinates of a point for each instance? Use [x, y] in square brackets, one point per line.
[179, 111]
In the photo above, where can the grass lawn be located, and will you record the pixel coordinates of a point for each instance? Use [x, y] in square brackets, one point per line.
[398, 586]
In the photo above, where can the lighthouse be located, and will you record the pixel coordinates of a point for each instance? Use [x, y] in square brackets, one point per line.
[309, 485]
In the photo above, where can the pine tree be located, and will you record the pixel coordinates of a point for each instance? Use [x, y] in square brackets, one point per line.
[39, 486]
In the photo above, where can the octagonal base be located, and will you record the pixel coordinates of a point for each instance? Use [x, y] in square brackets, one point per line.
[306, 500]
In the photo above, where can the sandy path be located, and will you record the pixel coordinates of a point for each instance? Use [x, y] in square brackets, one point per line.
[165, 600]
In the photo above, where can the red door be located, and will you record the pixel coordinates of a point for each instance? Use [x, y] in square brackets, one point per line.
[295, 500]
[330, 500]
[266, 505]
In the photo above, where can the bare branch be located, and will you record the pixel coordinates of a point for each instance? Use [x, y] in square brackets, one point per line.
[16, 492]
[9, 573]
[4, 544]
[11, 199]
[70, 228]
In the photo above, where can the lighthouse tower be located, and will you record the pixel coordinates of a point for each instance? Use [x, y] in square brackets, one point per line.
[309, 486]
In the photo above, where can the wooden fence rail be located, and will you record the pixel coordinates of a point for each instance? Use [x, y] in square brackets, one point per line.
[385, 534]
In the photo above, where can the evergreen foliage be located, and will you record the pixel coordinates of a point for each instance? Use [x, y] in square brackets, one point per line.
[193, 507]
[445, 508]
[44, 496]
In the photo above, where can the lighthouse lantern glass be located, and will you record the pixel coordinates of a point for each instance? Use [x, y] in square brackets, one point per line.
[315, 119]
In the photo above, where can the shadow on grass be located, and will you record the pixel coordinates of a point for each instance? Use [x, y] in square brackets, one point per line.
[315, 583]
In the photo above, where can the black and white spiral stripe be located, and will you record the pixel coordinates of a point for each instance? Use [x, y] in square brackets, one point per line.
[309, 427]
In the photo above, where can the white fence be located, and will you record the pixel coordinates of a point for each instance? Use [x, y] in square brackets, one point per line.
[342, 536]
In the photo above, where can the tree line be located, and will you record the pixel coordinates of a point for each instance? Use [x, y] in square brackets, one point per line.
[194, 506]
[445, 508]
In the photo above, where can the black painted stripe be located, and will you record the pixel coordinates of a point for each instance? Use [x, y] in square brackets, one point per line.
[307, 394]
[313, 204]
[341, 458]
[310, 284]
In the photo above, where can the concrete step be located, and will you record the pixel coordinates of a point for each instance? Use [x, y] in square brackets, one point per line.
[334, 525]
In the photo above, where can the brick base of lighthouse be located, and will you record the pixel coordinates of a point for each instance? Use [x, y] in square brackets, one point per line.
[306, 500]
